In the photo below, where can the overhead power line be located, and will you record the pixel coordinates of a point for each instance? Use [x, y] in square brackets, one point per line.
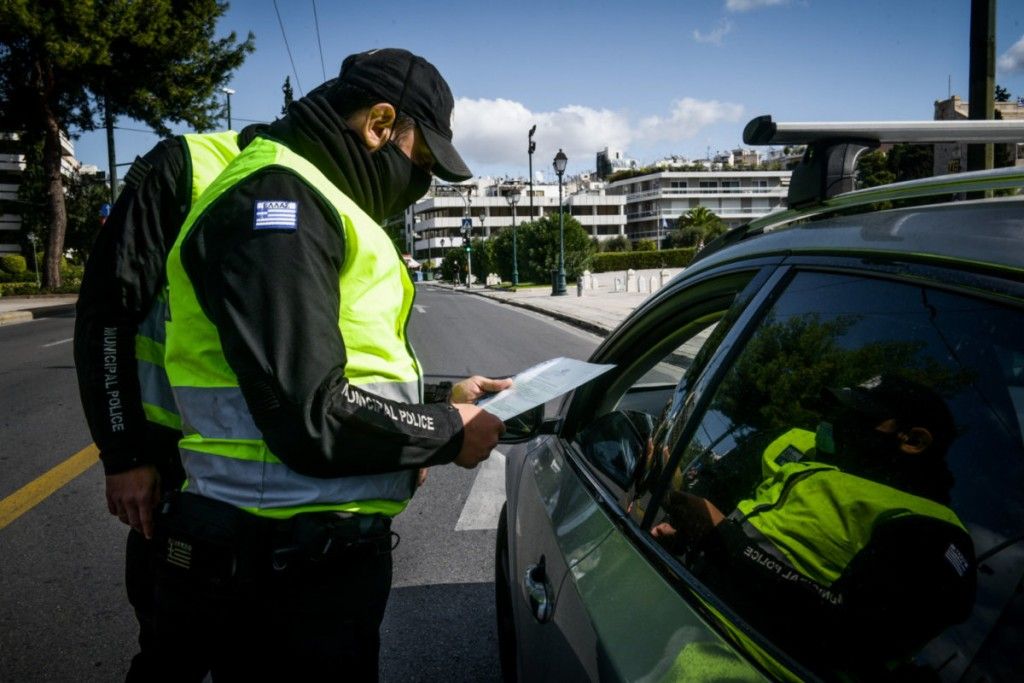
[316, 22]
[286, 47]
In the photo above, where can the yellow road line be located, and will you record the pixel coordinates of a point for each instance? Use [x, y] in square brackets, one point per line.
[35, 492]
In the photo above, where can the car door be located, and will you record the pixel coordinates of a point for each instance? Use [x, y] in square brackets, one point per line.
[831, 336]
[587, 602]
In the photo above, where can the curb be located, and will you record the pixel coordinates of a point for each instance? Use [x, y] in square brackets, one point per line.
[25, 315]
[12, 317]
[584, 325]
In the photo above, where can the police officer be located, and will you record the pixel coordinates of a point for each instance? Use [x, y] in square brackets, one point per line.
[119, 343]
[299, 392]
[847, 551]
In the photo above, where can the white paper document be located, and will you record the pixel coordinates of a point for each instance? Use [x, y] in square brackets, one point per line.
[539, 384]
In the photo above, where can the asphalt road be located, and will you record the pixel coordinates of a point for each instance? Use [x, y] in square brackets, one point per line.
[63, 615]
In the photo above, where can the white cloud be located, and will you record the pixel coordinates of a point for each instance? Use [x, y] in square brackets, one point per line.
[715, 35]
[687, 118]
[745, 5]
[493, 132]
[1012, 60]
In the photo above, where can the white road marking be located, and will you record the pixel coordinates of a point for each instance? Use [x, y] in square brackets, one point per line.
[420, 309]
[62, 341]
[483, 506]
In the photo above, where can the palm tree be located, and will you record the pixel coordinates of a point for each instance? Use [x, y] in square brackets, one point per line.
[697, 226]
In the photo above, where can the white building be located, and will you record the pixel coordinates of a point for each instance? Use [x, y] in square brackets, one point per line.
[655, 201]
[433, 224]
[12, 165]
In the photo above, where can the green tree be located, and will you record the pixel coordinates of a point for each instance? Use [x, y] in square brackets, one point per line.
[617, 243]
[289, 94]
[873, 170]
[1002, 94]
[67, 66]
[909, 162]
[83, 197]
[454, 264]
[696, 227]
[539, 248]
[645, 245]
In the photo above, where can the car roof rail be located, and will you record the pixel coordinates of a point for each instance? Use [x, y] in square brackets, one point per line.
[828, 167]
[951, 184]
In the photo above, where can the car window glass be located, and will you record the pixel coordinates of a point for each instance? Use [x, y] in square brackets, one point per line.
[852, 489]
[646, 386]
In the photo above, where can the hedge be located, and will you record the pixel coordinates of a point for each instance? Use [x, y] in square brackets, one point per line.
[13, 263]
[19, 288]
[16, 288]
[641, 260]
[20, 277]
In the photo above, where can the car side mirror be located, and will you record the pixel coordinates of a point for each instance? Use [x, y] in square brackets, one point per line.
[617, 442]
[523, 427]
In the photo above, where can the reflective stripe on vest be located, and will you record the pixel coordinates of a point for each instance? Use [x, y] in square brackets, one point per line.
[207, 155]
[223, 452]
[814, 518]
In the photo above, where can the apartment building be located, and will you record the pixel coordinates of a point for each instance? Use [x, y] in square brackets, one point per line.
[434, 223]
[952, 157]
[655, 201]
[12, 166]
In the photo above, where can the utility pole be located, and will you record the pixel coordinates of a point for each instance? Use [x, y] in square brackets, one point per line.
[982, 77]
[530, 148]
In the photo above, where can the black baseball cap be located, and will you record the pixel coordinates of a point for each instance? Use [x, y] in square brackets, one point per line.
[892, 396]
[415, 88]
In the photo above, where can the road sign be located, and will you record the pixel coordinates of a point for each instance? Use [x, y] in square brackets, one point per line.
[467, 222]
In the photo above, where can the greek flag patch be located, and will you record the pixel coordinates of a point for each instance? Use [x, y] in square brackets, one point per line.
[957, 560]
[276, 215]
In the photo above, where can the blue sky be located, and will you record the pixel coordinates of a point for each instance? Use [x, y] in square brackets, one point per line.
[651, 79]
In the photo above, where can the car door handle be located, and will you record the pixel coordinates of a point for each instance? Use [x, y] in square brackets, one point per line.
[538, 591]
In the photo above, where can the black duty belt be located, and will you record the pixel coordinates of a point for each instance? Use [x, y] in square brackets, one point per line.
[222, 543]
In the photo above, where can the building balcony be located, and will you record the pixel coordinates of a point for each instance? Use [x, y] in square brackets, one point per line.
[721, 213]
[12, 162]
[9, 191]
[669, 193]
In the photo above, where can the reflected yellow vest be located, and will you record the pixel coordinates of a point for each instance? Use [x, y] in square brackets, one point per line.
[223, 452]
[206, 155]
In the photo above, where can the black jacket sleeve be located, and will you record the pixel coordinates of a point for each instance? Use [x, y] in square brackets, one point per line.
[122, 277]
[274, 297]
[915, 577]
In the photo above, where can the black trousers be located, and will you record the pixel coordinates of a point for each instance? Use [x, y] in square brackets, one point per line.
[307, 621]
[140, 583]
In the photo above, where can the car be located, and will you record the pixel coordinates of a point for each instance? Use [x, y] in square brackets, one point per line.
[661, 525]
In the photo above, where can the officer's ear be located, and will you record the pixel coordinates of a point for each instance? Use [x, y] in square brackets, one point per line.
[374, 125]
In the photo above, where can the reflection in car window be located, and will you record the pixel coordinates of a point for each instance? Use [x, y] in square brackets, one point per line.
[606, 442]
[853, 489]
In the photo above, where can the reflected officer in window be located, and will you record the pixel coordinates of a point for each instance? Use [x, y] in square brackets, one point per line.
[847, 552]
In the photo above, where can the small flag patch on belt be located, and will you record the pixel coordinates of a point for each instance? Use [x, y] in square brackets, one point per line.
[276, 215]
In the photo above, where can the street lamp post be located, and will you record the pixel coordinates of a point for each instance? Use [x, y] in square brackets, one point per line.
[229, 92]
[512, 196]
[467, 236]
[35, 259]
[558, 288]
[530, 147]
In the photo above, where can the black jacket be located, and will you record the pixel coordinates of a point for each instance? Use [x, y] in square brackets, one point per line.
[122, 278]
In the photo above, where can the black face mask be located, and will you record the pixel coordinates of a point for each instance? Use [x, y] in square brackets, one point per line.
[858, 448]
[403, 182]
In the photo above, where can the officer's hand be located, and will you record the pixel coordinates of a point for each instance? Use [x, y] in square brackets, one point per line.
[480, 435]
[476, 387]
[133, 495]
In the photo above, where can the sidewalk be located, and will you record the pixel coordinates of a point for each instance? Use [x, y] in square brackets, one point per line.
[19, 309]
[599, 310]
